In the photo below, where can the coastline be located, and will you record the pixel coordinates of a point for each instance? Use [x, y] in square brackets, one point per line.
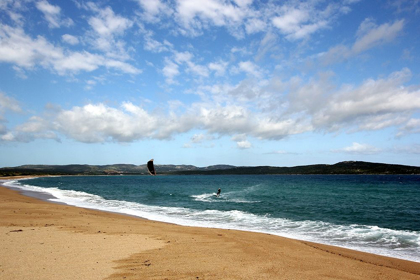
[45, 239]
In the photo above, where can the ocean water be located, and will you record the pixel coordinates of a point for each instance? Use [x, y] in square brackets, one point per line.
[375, 214]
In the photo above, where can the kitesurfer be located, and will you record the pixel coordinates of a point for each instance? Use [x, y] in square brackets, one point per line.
[218, 192]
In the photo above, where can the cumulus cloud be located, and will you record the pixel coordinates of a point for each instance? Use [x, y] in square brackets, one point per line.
[269, 110]
[20, 49]
[101, 123]
[97, 123]
[373, 105]
[316, 105]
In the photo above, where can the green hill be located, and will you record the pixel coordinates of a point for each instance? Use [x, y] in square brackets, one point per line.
[347, 167]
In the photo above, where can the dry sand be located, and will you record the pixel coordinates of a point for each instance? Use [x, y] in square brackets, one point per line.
[43, 240]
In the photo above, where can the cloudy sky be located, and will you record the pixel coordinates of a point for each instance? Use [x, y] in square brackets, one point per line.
[240, 82]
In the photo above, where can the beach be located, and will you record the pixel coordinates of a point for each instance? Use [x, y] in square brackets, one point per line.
[44, 240]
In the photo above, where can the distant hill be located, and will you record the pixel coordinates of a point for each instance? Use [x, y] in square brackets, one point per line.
[346, 167]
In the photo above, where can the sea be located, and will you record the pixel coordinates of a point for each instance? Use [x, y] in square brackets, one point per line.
[377, 214]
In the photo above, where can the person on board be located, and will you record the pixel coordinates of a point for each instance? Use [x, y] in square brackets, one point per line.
[218, 192]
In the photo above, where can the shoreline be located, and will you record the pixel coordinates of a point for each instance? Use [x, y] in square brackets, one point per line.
[183, 252]
[43, 194]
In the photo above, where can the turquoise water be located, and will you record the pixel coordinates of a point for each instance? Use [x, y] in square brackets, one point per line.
[377, 214]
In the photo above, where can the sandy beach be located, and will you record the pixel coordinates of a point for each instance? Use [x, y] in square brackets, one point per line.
[43, 240]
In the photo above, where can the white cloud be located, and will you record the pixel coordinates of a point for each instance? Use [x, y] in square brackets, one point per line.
[170, 71]
[373, 35]
[107, 30]
[249, 68]
[374, 104]
[279, 129]
[181, 60]
[197, 69]
[20, 49]
[301, 21]
[70, 39]
[153, 10]
[183, 57]
[409, 6]
[20, 72]
[157, 47]
[369, 36]
[267, 45]
[244, 144]
[108, 24]
[243, 51]
[239, 137]
[357, 148]
[100, 123]
[243, 3]
[291, 20]
[198, 138]
[218, 67]
[255, 25]
[412, 126]
[315, 105]
[295, 19]
[194, 16]
[53, 14]
[241, 141]
[7, 103]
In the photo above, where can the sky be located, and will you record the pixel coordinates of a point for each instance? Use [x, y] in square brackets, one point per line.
[241, 82]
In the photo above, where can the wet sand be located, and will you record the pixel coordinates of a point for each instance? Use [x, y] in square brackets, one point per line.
[44, 240]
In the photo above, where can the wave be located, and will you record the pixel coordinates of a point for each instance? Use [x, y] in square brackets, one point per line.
[372, 239]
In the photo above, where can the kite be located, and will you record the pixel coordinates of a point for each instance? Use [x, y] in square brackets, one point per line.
[151, 167]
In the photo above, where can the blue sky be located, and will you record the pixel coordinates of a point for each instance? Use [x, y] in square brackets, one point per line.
[240, 82]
